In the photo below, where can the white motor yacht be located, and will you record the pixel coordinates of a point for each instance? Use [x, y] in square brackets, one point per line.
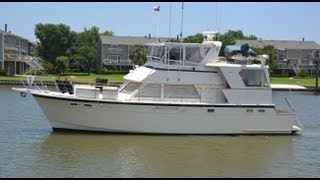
[183, 88]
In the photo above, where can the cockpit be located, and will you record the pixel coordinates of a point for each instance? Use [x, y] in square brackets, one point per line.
[187, 54]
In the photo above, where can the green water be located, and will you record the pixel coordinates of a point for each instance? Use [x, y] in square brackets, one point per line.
[29, 148]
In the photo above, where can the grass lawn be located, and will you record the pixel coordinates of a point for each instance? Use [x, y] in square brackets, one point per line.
[307, 81]
[74, 77]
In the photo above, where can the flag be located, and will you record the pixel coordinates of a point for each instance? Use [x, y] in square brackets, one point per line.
[182, 6]
[156, 8]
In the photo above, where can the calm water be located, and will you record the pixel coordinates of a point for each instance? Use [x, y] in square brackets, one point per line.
[29, 148]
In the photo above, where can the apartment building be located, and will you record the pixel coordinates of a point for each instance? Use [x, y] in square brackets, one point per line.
[292, 56]
[113, 51]
[17, 54]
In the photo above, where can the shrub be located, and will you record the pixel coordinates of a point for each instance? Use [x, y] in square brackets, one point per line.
[2, 72]
[48, 67]
[304, 73]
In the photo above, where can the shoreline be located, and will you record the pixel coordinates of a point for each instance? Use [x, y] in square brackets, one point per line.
[51, 83]
[45, 83]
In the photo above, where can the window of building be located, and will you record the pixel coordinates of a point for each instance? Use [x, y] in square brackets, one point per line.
[113, 59]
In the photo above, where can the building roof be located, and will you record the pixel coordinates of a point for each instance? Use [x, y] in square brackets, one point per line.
[11, 34]
[129, 40]
[281, 44]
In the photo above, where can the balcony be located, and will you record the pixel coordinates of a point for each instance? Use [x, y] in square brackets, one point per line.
[117, 62]
[298, 66]
[114, 51]
[16, 57]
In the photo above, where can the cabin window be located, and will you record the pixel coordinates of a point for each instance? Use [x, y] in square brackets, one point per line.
[176, 53]
[156, 52]
[130, 88]
[254, 77]
[173, 91]
[149, 91]
[196, 54]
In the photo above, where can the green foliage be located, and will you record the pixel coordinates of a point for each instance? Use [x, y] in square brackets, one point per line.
[173, 40]
[62, 64]
[230, 37]
[2, 72]
[138, 54]
[198, 38]
[108, 33]
[304, 73]
[83, 53]
[54, 39]
[80, 48]
[48, 67]
[272, 52]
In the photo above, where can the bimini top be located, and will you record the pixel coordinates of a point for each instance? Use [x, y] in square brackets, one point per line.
[244, 50]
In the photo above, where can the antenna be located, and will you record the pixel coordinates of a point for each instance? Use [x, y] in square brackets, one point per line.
[181, 20]
[170, 24]
[219, 24]
[181, 30]
[216, 16]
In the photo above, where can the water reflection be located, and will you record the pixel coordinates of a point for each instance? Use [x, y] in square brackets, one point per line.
[162, 156]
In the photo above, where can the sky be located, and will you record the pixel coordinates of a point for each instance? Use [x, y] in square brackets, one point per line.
[265, 20]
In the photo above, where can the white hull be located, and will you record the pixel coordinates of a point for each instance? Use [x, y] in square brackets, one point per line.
[129, 117]
[183, 88]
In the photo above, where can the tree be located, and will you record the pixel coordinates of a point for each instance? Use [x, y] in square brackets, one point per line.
[83, 53]
[198, 38]
[108, 33]
[272, 52]
[48, 67]
[62, 64]
[173, 40]
[138, 54]
[230, 37]
[55, 39]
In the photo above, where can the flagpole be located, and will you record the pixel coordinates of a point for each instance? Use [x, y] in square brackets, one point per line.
[157, 9]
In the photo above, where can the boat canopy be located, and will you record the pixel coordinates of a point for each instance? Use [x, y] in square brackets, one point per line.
[244, 50]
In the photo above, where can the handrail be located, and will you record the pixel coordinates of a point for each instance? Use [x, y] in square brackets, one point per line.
[287, 101]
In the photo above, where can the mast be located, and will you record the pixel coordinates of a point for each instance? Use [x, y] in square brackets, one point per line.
[216, 16]
[181, 53]
[170, 24]
[181, 20]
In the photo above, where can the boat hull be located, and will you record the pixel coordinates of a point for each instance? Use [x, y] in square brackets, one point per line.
[148, 118]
